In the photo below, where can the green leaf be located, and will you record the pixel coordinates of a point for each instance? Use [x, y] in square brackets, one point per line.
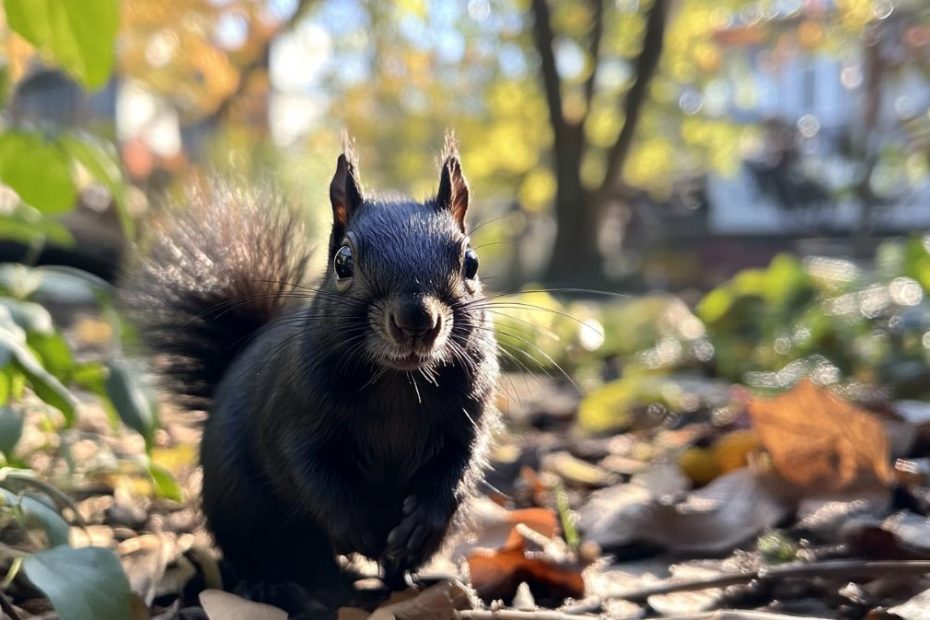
[135, 408]
[32, 317]
[6, 384]
[70, 286]
[17, 382]
[19, 281]
[11, 429]
[54, 352]
[46, 386]
[79, 34]
[610, 407]
[43, 383]
[100, 159]
[82, 584]
[165, 484]
[91, 376]
[37, 512]
[29, 231]
[917, 255]
[18, 479]
[38, 170]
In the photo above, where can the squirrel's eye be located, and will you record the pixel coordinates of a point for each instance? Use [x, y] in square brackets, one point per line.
[343, 263]
[470, 264]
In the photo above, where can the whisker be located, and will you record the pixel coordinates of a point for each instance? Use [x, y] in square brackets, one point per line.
[416, 389]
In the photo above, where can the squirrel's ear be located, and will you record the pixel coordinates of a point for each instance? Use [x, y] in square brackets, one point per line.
[345, 191]
[453, 190]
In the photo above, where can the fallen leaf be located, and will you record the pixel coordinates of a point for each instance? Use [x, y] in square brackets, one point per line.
[692, 602]
[699, 465]
[820, 442]
[576, 472]
[726, 513]
[138, 609]
[733, 450]
[219, 605]
[662, 479]
[911, 528]
[491, 525]
[918, 608]
[823, 517]
[438, 602]
[871, 540]
[144, 558]
[496, 574]
[735, 614]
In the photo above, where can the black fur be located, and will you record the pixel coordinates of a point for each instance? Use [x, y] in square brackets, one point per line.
[218, 270]
[314, 444]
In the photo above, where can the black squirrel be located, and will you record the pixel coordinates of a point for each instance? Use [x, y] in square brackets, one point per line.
[353, 417]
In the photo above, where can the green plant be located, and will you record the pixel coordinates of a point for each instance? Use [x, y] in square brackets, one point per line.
[44, 167]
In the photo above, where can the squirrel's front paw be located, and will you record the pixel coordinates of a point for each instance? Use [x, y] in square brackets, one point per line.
[417, 536]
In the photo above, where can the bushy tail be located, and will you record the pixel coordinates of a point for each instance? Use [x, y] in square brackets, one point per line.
[217, 270]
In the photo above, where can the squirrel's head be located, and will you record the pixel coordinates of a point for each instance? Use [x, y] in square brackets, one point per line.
[405, 270]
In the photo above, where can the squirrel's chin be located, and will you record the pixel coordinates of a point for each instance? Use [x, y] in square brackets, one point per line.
[410, 361]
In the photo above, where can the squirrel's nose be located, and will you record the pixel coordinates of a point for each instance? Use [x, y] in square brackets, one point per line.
[415, 321]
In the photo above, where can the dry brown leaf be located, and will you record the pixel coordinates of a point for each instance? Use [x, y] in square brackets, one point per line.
[738, 614]
[438, 602]
[498, 574]
[821, 443]
[138, 609]
[352, 613]
[918, 608]
[491, 525]
[726, 513]
[219, 605]
[144, 559]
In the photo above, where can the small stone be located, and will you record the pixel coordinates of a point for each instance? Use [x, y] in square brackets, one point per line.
[523, 598]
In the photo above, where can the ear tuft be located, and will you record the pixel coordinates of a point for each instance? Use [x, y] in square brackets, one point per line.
[450, 147]
[348, 147]
[345, 190]
[453, 189]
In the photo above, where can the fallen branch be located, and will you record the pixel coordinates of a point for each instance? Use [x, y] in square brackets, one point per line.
[845, 568]
[512, 614]
[545, 614]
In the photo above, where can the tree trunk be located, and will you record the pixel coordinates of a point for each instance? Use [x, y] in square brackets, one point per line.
[576, 260]
[867, 142]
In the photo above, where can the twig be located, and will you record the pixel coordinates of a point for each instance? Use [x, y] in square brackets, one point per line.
[738, 614]
[512, 614]
[845, 569]
[8, 608]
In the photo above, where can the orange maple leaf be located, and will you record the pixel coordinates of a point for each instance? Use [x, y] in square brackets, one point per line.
[820, 442]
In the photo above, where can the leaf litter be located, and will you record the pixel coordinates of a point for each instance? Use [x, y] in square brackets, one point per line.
[789, 506]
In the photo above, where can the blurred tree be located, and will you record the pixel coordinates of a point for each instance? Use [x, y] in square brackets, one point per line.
[579, 207]
[577, 105]
[208, 60]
